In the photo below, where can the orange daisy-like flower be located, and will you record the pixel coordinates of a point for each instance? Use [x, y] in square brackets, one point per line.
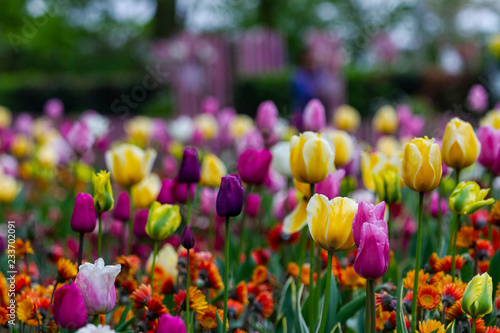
[4, 291]
[240, 331]
[433, 262]
[208, 272]
[3, 315]
[240, 293]
[445, 264]
[305, 278]
[22, 280]
[410, 278]
[466, 237]
[335, 262]
[494, 215]
[208, 319]
[234, 309]
[130, 285]
[66, 270]
[22, 248]
[350, 279]
[260, 275]
[130, 264]
[193, 263]
[451, 294]
[381, 319]
[484, 249]
[156, 308]
[197, 300]
[430, 326]
[141, 296]
[455, 311]
[27, 312]
[293, 269]
[480, 325]
[264, 304]
[492, 329]
[168, 285]
[440, 279]
[385, 301]
[428, 297]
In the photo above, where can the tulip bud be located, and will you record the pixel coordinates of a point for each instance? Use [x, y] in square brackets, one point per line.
[122, 208]
[461, 147]
[372, 257]
[168, 323]
[103, 193]
[69, 307]
[80, 138]
[421, 165]
[212, 170]
[253, 165]
[388, 185]
[252, 207]
[83, 218]
[140, 222]
[146, 191]
[267, 116]
[230, 197]
[189, 171]
[163, 221]
[311, 157]
[386, 120]
[187, 239]
[314, 118]
[477, 299]
[346, 118]
[492, 118]
[468, 197]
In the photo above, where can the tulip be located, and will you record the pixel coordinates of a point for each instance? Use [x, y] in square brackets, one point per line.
[9, 188]
[139, 130]
[468, 197]
[388, 184]
[166, 196]
[489, 138]
[492, 119]
[253, 165]
[54, 108]
[146, 191]
[140, 222]
[122, 207]
[314, 117]
[267, 116]
[367, 213]
[103, 193]
[461, 147]
[129, 164]
[230, 197]
[183, 192]
[274, 181]
[438, 206]
[168, 323]
[189, 170]
[372, 257]
[210, 105]
[388, 145]
[69, 308]
[477, 299]
[83, 219]
[478, 98]
[386, 120]
[97, 285]
[346, 118]
[281, 158]
[181, 129]
[163, 221]
[410, 125]
[241, 126]
[207, 126]
[187, 239]
[344, 147]
[311, 157]
[252, 207]
[21, 146]
[421, 165]
[208, 197]
[212, 170]
[80, 138]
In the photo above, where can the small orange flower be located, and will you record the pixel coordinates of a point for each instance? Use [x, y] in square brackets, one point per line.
[4, 291]
[350, 279]
[168, 285]
[155, 307]
[430, 326]
[492, 329]
[440, 279]
[234, 309]
[410, 278]
[193, 263]
[293, 269]
[264, 304]
[260, 275]
[141, 296]
[466, 237]
[3, 315]
[381, 319]
[208, 319]
[452, 293]
[66, 270]
[22, 248]
[22, 280]
[445, 264]
[197, 300]
[454, 311]
[480, 325]
[129, 264]
[494, 215]
[428, 297]
[209, 273]
[27, 312]
[240, 293]
[305, 275]
[484, 249]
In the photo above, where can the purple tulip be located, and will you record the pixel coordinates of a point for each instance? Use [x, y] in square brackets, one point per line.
[189, 171]
[83, 218]
[187, 239]
[180, 191]
[490, 146]
[367, 213]
[478, 98]
[208, 197]
[253, 165]
[69, 308]
[140, 221]
[252, 207]
[166, 192]
[24, 123]
[372, 258]
[330, 187]
[410, 125]
[210, 105]
[80, 138]
[168, 323]
[53, 108]
[314, 118]
[230, 196]
[122, 207]
[267, 116]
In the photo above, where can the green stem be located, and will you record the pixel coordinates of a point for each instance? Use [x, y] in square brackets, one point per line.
[226, 274]
[454, 247]
[318, 285]
[188, 282]
[311, 286]
[52, 296]
[130, 223]
[188, 204]
[80, 250]
[327, 292]
[99, 237]
[473, 330]
[151, 276]
[368, 305]
[303, 248]
[417, 263]
[373, 316]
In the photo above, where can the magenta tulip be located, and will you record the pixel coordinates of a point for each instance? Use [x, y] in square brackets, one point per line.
[168, 323]
[367, 213]
[314, 117]
[330, 187]
[252, 207]
[166, 195]
[253, 165]
[490, 146]
[80, 138]
[140, 221]
[83, 219]
[69, 308]
[53, 108]
[122, 207]
[372, 258]
[267, 116]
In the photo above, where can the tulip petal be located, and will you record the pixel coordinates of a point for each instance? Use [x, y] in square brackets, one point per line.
[297, 219]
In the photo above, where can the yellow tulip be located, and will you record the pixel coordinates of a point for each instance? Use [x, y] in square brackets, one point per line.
[22, 146]
[468, 197]
[344, 146]
[388, 145]
[129, 164]
[477, 299]
[330, 222]
[207, 125]
[461, 147]
[492, 119]
[241, 126]
[47, 156]
[167, 259]
[346, 118]
[5, 117]
[311, 157]
[102, 192]
[212, 170]
[139, 130]
[421, 165]
[9, 188]
[146, 191]
[163, 221]
[386, 120]
[297, 218]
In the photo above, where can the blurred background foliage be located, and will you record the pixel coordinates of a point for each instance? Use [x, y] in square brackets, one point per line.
[87, 52]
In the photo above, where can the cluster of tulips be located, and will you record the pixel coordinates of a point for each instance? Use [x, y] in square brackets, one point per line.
[224, 223]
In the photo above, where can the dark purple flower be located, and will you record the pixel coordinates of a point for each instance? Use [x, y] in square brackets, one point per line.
[189, 171]
[230, 196]
[187, 239]
[122, 207]
[69, 308]
[253, 165]
[83, 218]
[166, 192]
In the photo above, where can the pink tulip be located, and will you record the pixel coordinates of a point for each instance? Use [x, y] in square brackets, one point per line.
[410, 125]
[436, 205]
[208, 198]
[490, 146]
[267, 116]
[168, 323]
[53, 108]
[166, 195]
[80, 138]
[372, 258]
[330, 187]
[367, 213]
[314, 118]
[478, 98]
[253, 165]
[252, 207]
[210, 105]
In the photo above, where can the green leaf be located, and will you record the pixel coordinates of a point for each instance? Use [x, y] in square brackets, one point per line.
[286, 305]
[333, 303]
[451, 327]
[337, 329]
[466, 273]
[301, 324]
[124, 313]
[400, 314]
[220, 329]
[350, 309]
[121, 328]
[494, 272]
